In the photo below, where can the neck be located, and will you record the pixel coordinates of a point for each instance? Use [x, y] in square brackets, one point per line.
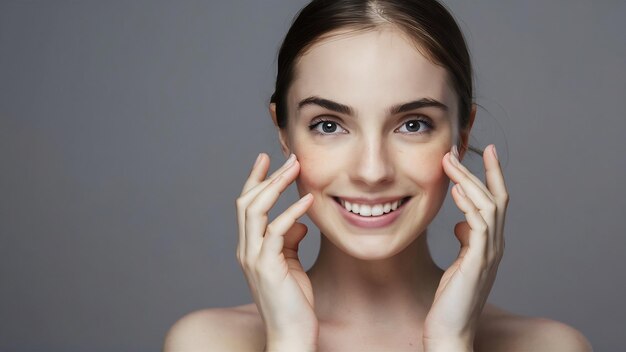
[347, 289]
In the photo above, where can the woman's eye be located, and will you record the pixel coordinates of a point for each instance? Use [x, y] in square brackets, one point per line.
[327, 127]
[415, 126]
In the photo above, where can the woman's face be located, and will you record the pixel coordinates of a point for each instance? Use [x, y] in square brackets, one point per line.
[357, 141]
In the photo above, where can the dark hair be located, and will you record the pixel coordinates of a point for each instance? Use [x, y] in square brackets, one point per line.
[428, 23]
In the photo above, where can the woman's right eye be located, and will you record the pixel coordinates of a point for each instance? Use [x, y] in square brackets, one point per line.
[326, 127]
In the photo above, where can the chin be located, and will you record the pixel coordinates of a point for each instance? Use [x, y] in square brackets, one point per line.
[371, 248]
[375, 246]
[368, 244]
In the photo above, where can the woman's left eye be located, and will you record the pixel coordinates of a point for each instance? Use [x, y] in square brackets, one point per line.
[414, 126]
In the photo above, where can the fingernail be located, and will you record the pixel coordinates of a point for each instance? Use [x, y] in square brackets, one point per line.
[495, 153]
[292, 158]
[454, 160]
[460, 190]
[258, 158]
[455, 151]
[305, 198]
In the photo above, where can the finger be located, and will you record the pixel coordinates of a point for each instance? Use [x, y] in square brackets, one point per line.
[478, 236]
[257, 173]
[495, 182]
[494, 176]
[250, 190]
[486, 205]
[474, 188]
[462, 232]
[275, 242]
[260, 177]
[288, 218]
[466, 171]
[293, 236]
[256, 213]
[254, 191]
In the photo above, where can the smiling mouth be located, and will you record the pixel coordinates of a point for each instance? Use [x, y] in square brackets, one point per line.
[371, 210]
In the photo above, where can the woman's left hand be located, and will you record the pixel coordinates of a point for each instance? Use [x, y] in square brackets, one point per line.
[452, 320]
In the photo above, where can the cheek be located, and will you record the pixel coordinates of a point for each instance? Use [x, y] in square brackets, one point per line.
[316, 171]
[426, 169]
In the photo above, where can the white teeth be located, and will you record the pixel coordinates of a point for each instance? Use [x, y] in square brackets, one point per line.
[365, 210]
[370, 210]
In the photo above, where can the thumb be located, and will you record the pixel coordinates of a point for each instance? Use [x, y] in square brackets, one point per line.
[462, 232]
[294, 235]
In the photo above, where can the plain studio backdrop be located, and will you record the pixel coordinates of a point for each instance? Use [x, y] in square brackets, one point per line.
[127, 129]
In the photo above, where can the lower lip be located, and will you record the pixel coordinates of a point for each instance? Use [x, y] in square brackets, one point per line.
[370, 221]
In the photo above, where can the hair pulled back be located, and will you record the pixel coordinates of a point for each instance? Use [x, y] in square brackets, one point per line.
[428, 23]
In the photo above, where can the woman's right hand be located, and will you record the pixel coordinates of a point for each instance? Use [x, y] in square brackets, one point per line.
[268, 255]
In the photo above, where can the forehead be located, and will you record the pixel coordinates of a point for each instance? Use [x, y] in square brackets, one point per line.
[371, 69]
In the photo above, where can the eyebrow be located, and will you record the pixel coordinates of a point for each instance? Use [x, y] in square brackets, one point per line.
[396, 109]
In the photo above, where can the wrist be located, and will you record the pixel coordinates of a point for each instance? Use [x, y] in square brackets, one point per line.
[291, 342]
[289, 346]
[449, 345]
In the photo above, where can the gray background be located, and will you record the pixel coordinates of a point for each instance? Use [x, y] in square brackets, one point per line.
[127, 129]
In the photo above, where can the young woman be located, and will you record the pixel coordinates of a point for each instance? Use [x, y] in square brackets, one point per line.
[373, 108]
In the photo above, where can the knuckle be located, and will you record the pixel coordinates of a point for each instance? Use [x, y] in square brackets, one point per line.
[259, 269]
[492, 259]
[252, 209]
[270, 229]
[487, 263]
[491, 207]
[483, 228]
[241, 202]
[504, 199]
[248, 264]
[274, 188]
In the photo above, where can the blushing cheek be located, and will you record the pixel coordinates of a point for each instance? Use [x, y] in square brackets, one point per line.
[427, 171]
[313, 176]
[439, 178]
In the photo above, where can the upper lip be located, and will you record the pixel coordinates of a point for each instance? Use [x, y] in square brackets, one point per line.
[372, 201]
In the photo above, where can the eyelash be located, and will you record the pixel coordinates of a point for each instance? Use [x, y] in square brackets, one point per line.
[318, 121]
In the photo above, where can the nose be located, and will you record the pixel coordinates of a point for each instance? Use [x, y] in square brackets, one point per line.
[374, 164]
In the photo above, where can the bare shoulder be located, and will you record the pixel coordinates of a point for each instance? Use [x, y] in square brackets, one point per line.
[501, 330]
[238, 328]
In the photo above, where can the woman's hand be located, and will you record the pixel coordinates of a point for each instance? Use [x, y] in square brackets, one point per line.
[465, 286]
[268, 254]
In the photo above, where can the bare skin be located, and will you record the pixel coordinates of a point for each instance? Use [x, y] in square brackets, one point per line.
[240, 328]
[374, 288]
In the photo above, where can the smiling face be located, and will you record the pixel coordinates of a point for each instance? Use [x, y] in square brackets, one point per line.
[370, 119]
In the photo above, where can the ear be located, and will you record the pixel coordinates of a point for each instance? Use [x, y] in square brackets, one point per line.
[282, 132]
[466, 132]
